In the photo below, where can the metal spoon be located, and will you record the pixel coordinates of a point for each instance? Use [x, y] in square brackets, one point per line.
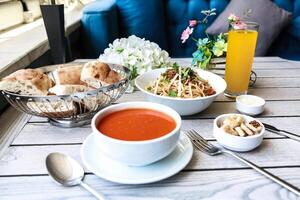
[68, 172]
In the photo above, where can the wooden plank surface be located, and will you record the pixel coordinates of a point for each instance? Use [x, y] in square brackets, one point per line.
[272, 109]
[21, 160]
[269, 94]
[11, 123]
[48, 134]
[23, 172]
[274, 73]
[208, 185]
[259, 63]
[270, 82]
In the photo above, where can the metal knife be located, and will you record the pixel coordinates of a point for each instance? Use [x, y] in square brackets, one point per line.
[290, 135]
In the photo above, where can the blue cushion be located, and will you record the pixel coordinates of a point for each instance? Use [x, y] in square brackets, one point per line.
[285, 4]
[144, 19]
[296, 10]
[287, 44]
[294, 28]
[100, 27]
[162, 21]
[99, 7]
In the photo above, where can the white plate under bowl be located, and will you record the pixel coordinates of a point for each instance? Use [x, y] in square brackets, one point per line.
[111, 170]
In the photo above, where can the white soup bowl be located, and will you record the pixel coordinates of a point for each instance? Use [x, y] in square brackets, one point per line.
[136, 153]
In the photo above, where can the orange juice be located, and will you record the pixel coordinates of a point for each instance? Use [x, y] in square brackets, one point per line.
[239, 59]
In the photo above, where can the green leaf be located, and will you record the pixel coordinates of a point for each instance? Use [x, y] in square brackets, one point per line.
[175, 66]
[134, 73]
[186, 72]
[120, 50]
[172, 93]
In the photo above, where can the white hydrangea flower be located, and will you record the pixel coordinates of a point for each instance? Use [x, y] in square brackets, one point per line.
[136, 53]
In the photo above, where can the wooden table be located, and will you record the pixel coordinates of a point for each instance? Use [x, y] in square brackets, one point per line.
[23, 174]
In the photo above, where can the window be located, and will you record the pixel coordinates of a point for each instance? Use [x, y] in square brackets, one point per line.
[14, 13]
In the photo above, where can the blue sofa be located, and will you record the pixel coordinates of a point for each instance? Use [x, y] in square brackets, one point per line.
[162, 21]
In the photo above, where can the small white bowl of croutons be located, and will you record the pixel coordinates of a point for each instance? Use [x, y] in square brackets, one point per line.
[238, 132]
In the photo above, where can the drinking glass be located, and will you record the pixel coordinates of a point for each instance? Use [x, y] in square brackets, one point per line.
[239, 59]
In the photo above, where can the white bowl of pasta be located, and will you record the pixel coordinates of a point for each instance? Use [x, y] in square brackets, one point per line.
[189, 93]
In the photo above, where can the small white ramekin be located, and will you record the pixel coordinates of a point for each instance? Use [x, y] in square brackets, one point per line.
[250, 104]
[237, 143]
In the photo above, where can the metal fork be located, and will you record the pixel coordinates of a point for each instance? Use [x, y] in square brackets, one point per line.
[206, 147]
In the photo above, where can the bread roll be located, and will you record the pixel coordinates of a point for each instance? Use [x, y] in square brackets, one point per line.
[97, 74]
[112, 77]
[68, 89]
[68, 75]
[27, 82]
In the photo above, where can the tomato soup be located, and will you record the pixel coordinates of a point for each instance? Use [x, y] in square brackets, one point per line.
[136, 124]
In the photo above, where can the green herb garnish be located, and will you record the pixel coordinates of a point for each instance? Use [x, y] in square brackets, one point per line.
[172, 93]
[175, 66]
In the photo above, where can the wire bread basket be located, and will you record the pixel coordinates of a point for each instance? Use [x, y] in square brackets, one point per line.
[71, 110]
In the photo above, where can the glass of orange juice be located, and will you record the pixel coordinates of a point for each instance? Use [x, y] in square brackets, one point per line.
[239, 59]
